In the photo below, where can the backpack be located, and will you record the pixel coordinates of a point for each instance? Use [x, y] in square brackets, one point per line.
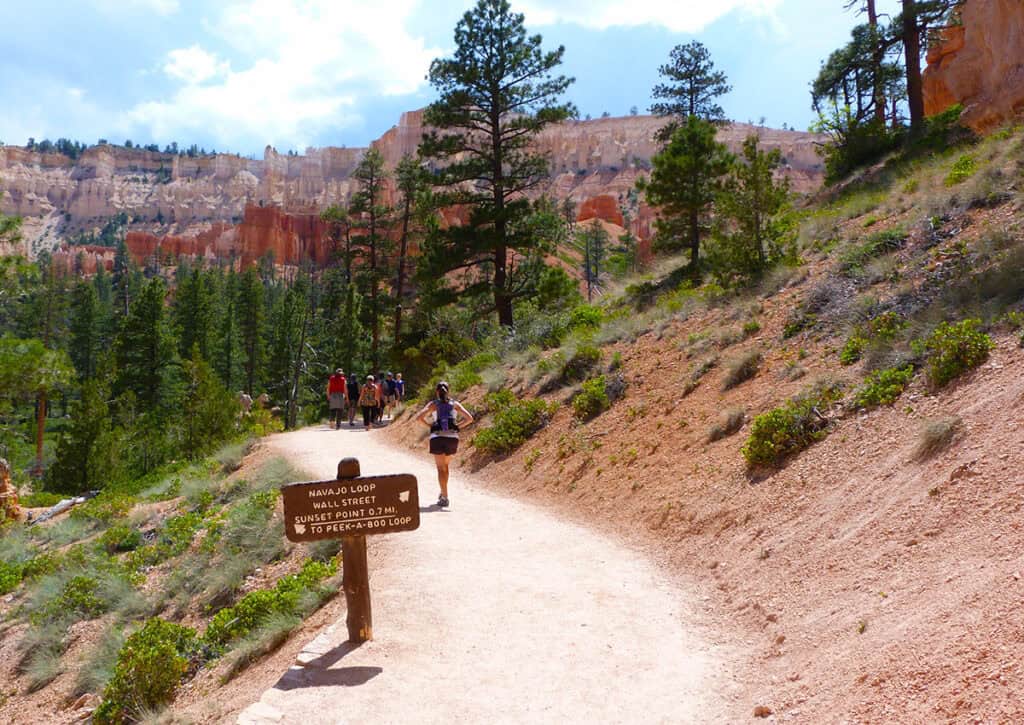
[444, 413]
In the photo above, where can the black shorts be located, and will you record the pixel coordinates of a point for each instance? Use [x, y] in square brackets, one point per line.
[444, 445]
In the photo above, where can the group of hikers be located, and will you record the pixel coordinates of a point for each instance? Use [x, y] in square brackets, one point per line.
[377, 397]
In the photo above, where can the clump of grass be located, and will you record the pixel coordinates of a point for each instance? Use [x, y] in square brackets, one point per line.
[274, 473]
[99, 665]
[271, 634]
[699, 371]
[936, 436]
[230, 457]
[728, 422]
[741, 369]
[577, 367]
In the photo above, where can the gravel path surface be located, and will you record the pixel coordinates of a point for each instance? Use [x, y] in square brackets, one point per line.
[496, 611]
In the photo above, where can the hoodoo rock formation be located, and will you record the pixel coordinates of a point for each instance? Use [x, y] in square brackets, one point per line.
[980, 65]
[225, 206]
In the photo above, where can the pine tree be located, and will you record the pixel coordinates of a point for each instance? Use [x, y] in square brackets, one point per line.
[145, 350]
[86, 329]
[411, 181]
[251, 315]
[89, 453]
[208, 409]
[751, 234]
[496, 93]
[683, 184]
[692, 88]
[592, 241]
[227, 354]
[369, 203]
[194, 313]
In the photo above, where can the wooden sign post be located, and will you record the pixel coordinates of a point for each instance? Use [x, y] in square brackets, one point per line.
[349, 509]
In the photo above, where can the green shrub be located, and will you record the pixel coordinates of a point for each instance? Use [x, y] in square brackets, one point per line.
[513, 426]
[587, 317]
[150, 666]
[178, 532]
[10, 576]
[853, 349]
[751, 328]
[954, 349]
[883, 387]
[592, 400]
[255, 608]
[80, 598]
[886, 326]
[789, 428]
[499, 400]
[962, 170]
[120, 538]
[584, 360]
[106, 507]
[41, 499]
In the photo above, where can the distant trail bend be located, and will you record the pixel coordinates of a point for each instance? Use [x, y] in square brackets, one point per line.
[497, 611]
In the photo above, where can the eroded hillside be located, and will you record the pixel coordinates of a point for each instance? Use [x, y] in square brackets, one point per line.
[876, 571]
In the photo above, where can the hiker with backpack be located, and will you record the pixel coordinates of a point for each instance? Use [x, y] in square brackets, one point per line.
[390, 394]
[352, 390]
[442, 416]
[368, 401]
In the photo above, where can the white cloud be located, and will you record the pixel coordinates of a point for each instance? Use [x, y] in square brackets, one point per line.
[160, 7]
[296, 68]
[679, 16]
[193, 65]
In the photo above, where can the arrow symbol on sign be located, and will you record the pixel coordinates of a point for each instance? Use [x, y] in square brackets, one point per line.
[404, 497]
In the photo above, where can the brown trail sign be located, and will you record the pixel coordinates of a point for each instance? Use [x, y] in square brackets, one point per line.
[350, 508]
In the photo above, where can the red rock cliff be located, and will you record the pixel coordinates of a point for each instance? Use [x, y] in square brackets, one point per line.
[980, 65]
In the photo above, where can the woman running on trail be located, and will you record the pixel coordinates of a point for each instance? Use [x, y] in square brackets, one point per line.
[444, 433]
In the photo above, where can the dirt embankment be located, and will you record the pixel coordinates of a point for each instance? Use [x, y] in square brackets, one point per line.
[868, 586]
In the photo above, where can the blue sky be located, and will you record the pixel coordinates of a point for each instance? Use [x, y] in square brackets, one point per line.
[237, 75]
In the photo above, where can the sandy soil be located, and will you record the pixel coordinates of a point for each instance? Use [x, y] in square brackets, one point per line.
[498, 611]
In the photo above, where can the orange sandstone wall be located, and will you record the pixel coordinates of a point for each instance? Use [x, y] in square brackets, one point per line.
[980, 65]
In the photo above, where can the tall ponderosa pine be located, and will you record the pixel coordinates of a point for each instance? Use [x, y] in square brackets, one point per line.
[374, 215]
[194, 312]
[227, 354]
[411, 181]
[751, 232]
[496, 93]
[685, 178]
[208, 409]
[145, 350]
[89, 453]
[692, 87]
[251, 314]
[592, 241]
[86, 329]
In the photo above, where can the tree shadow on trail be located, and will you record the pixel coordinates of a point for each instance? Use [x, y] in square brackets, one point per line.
[318, 672]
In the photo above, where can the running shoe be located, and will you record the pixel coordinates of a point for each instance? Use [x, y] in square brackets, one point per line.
[442, 502]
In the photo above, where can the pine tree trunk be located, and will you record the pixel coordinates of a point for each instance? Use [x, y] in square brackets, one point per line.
[694, 240]
[877, 61]
[400, 281]
[912, 45]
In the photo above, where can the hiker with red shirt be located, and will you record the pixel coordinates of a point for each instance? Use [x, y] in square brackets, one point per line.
[336, 396]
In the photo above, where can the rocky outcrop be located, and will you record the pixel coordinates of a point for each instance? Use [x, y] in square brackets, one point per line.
[228, 206]
[980, 65]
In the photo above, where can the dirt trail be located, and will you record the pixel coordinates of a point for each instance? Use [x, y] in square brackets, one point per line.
[496, 611]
